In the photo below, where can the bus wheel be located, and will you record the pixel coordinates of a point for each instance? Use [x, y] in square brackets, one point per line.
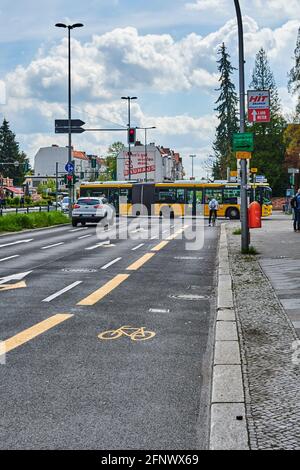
[233, 213]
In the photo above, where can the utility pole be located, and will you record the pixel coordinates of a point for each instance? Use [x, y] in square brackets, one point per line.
[244, 195]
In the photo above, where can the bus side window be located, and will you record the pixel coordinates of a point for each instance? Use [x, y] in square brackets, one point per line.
[180, 196]
[213, 194]
[231, 195]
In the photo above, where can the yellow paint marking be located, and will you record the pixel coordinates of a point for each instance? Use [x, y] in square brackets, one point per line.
[160, 246]
[135, 266]
[104, 290]
[34, 331]
[135, 334]
[18, 285]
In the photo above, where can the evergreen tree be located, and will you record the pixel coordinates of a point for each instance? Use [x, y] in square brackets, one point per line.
[294, 76]
[269, 151]
[10, 155]
[227, 116]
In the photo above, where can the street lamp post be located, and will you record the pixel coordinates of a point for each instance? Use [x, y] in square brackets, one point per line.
[69, 27]
[129, 99]
[244, 197]
[192, 157]
[146, 149]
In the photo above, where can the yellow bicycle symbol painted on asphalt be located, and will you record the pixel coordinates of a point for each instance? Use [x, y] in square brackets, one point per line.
[135, 334]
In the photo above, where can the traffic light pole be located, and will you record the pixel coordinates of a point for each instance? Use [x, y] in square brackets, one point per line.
[129, 144]
[244, 195]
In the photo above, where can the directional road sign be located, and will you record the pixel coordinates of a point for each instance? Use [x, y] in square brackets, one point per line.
[69, 167]
[243, 142]
[259, 106]
[62, 126]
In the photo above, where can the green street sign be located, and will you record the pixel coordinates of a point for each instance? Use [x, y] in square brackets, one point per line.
[243, 142]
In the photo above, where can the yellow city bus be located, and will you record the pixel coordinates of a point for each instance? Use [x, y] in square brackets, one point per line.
[178, 198]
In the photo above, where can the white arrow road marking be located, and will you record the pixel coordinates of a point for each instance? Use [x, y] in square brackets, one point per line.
[9, 257]
[84, 236]
[111, 263]
[78, 229]
[57, 294]
[14, 277]
[16, 243]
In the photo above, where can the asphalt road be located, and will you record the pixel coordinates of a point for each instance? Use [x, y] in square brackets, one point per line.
[63, 387]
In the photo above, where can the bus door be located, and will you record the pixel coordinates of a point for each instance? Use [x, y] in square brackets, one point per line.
[194, 202]
[113, 198]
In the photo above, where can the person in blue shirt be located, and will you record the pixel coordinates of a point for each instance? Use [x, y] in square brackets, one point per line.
[295, 203]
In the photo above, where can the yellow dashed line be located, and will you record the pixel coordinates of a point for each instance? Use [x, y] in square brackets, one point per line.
[160, 246]
[104, 290]
[140, 262]
[33, 332]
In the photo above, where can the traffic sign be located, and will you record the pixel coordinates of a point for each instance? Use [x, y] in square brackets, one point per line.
[69, 167]
[253, 170]
[62, 126]
[243, 142]
[259, 106]
[293, 170]
[243, 155]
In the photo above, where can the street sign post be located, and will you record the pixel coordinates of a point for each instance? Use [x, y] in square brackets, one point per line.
[259, 106]
[62, 126]
[243, 142]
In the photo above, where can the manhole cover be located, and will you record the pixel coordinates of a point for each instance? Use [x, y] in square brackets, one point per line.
[82, 270]
[189, 297]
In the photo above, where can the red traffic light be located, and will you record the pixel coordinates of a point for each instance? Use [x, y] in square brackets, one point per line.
[131, 135]
[70, 178]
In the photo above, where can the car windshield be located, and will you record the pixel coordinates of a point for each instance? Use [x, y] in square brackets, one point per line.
[89, 202]
[65, 200]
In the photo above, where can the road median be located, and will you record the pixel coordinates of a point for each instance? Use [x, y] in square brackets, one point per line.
[18, 222]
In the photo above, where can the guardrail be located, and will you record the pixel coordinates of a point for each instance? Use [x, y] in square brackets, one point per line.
[26, 210]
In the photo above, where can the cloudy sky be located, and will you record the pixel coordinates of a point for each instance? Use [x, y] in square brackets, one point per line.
[163, 51]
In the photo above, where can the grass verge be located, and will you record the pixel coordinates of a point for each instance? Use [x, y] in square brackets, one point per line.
[251, 251]
[237, 231]
[18, 222]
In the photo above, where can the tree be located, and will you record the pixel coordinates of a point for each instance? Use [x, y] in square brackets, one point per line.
[269, 151]
[15, 162]
[294, 76]
[227, 115]
[111, 160]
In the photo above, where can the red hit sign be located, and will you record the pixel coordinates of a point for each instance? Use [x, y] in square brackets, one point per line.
[259, 106]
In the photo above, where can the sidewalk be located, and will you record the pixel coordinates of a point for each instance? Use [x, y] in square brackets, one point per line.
[262, 285]
[279, 248]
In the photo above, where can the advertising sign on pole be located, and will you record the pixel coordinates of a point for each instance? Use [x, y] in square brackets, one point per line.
[259, 106]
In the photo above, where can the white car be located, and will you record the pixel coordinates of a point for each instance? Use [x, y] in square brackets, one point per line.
[91, 209]
[65, 204]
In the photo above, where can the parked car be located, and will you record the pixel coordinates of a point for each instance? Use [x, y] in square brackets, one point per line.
[91, 209]
[65, 204]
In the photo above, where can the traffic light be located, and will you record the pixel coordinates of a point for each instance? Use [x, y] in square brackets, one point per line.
[131, 135]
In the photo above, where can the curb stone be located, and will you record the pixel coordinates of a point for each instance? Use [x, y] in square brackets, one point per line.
[228, 428]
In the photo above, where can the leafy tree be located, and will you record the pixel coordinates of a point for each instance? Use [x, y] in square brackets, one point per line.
[10, 154]
[227, 115]
[294, 76]
[269, 152]
[111, 161]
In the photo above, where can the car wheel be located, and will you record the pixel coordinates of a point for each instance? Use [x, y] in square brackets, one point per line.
[83, 224]
[74, 223]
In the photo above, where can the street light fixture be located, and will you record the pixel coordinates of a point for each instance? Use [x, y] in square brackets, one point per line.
[146, 150]
[69, 27]
[129, 99]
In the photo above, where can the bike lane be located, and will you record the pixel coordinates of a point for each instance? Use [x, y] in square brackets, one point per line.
[80, 391]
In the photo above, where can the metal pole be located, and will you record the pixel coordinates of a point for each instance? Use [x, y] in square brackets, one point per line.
[56, 184]
[129, 145]
[146, 157]
[244, 196]
[70, 119]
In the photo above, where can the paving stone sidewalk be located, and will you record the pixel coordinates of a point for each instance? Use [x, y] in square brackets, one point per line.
[268, 339]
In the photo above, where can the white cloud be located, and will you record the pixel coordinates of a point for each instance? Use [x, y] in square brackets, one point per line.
[2, 92]
[203, 5]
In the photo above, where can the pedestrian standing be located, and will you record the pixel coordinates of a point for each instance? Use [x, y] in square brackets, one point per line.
[295, 204]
